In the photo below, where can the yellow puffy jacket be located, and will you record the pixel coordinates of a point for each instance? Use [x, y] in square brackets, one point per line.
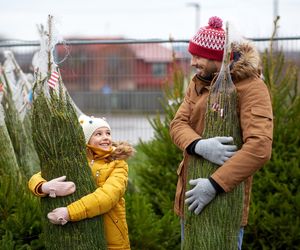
[111, 179]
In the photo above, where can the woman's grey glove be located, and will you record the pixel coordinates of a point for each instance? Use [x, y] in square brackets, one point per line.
[202, 194]
[215, 149]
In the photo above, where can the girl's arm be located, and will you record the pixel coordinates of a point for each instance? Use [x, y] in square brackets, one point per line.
[104, 198]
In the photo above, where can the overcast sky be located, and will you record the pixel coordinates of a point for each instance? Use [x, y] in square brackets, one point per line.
[143, 19]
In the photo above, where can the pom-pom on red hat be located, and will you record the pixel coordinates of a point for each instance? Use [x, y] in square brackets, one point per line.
[209, 41]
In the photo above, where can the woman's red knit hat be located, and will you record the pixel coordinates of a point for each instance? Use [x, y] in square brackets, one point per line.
[209, 41]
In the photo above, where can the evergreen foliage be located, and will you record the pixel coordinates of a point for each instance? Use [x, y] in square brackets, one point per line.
[274, 220]
[19, 211]
[20, 216]
[155, 179]
[142, 222]
[8, 161]
[22, 142]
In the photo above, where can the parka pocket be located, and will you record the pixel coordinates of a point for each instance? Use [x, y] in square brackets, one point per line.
[258, 111]
[262, 121]
[118, 225]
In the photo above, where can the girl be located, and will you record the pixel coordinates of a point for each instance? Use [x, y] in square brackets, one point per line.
[110, 171]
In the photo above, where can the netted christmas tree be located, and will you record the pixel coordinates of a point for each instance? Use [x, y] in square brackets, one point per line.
[60, 144]
[19, 134]
[19, 210]
[8, 160]
[217, 226]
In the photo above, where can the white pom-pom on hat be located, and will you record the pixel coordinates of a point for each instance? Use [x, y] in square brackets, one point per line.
[89, 124]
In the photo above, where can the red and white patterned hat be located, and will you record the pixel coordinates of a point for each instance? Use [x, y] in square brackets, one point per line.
[209, 41]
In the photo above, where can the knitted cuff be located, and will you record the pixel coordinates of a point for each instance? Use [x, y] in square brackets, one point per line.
[191, 148]
[217, 187]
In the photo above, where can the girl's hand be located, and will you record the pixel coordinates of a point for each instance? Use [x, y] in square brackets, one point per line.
[58, 187]
[59, 216]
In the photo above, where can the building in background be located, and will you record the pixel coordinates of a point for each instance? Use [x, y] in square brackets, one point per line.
[118, 66]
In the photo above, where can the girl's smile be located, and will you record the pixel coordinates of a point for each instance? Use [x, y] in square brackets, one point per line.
[101, 138]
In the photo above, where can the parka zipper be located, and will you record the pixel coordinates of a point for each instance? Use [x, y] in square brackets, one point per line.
[97, 172]
[97, 176]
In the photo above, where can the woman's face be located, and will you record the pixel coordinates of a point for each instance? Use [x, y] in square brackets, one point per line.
[101, 138]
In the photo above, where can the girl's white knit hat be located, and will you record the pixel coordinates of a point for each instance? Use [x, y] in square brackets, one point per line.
[90, 123]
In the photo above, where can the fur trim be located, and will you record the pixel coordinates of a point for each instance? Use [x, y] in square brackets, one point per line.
[122, 151]
[248, 64]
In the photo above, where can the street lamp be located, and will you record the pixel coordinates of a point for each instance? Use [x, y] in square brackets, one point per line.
[275, 9]
[197, 12]
[275, 16]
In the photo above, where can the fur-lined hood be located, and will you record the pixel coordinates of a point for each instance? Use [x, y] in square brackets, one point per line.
[246, 61]
[123, 150]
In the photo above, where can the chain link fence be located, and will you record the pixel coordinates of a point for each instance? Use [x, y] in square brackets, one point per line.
[123, 80]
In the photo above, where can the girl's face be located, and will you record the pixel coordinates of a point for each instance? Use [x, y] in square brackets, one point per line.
[101, 138]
